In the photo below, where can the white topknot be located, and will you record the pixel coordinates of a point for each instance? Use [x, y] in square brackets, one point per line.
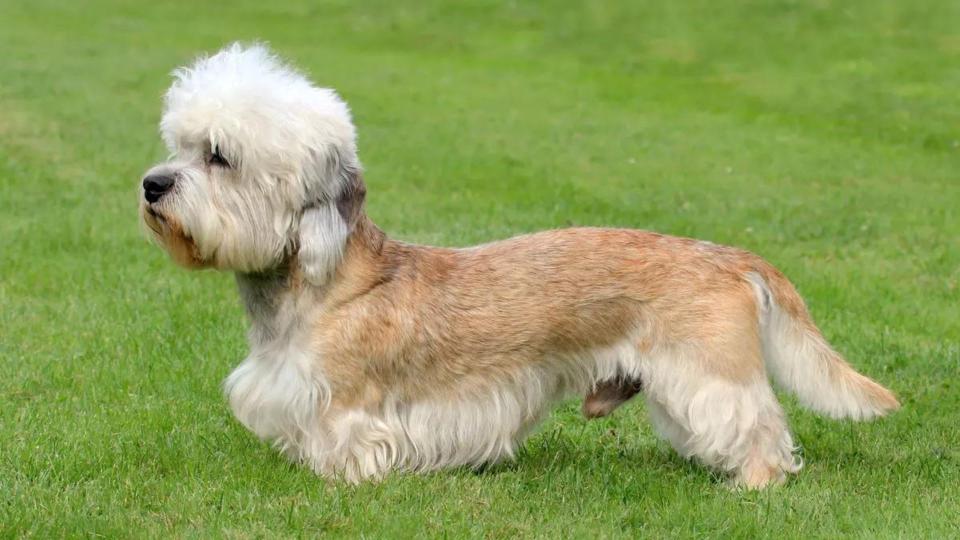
[248, 95]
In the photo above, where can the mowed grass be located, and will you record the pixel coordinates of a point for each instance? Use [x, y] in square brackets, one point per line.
[823, 135]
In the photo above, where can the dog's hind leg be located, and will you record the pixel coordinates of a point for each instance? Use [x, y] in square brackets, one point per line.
[736, 428]
[710, 397]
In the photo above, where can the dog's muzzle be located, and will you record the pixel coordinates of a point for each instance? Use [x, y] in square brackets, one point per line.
[156, 185]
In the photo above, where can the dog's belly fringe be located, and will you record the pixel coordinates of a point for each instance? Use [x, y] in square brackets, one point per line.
[280, 401]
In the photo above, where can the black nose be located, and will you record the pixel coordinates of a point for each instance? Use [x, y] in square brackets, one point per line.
[155, 185]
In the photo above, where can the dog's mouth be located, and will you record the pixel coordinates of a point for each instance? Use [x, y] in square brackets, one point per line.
[170, 234]
[155, 220]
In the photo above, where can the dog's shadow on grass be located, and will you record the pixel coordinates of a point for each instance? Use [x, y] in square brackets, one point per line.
[603, 455]
[622, 452]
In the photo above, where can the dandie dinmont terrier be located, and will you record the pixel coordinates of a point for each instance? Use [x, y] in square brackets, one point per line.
[369, 355]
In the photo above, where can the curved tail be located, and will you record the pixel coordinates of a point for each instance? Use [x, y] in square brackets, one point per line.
[801, 360]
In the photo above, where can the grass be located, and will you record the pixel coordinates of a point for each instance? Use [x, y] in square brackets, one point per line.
[822, 135]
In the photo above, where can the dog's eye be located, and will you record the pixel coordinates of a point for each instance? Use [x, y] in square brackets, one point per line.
[216, 158]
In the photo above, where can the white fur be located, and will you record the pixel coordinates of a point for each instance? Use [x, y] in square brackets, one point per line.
[323, 234]
[730, 426]
[279, 400]
[803, 362]
[279, 392]
[282, 400]
[289, 144]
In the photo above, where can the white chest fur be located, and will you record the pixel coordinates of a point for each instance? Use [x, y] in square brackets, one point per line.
[275, 394]
[278, 391]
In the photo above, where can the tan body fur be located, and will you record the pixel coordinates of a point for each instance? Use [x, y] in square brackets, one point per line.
[447, 321]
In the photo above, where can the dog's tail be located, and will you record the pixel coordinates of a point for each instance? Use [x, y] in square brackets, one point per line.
[801, 360]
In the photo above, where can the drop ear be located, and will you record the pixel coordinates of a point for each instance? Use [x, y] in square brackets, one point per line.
[351, 198]
[323, 239]
[326, 226]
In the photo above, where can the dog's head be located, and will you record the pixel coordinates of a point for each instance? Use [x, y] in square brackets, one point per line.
[260, 159]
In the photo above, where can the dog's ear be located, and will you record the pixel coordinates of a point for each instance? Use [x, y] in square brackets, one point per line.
[323, 238]
[351, 198]
[325, 227]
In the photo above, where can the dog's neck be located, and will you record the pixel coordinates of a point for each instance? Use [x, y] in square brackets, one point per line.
[281, 301]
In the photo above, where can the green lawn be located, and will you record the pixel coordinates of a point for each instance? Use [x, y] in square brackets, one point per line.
[824, 135]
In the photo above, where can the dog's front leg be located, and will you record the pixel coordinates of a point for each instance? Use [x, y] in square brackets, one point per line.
[356, 446]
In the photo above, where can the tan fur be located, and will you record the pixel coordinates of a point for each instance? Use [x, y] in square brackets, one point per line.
[169, 232]
[446, 320]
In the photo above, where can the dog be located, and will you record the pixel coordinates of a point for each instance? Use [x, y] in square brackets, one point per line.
[369, 355]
